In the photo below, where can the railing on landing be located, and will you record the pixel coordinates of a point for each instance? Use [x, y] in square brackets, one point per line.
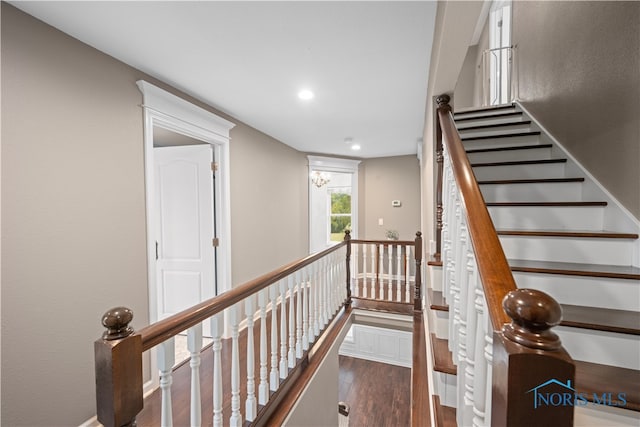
[499, 335]
[306, 296]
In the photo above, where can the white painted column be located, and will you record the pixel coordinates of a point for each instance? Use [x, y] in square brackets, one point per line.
[263, 387]
[299, 302]
[291, 355]
[305, 283]
[166, 360]
[284, 369]
[236, 418]
[364, 270]
[194, 345]
[217, 327]
[274, 377]
[251, 406]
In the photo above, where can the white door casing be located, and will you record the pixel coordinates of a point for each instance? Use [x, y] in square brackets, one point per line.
[185, 269]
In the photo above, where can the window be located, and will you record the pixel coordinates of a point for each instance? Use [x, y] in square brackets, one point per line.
[339, 212]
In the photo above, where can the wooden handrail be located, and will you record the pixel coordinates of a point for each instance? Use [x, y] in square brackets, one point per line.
[162, 330]
[493, 268]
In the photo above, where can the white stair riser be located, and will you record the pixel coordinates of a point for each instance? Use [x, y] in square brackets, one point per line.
[435, 275]
[515, 128]
[439, 323]
[607, 348]
[489, 121]
[484, 113]
[501, 142]
[566, 249]
[510, 155]
[532, 171]
[547, 217]
[602, 415]
[537, 192]
[621, 294]
[445, 388]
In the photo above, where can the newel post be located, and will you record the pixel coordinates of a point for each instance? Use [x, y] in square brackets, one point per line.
[118, 361]
[533, 376]
[443, 104]
[417, 298]
[347, 238]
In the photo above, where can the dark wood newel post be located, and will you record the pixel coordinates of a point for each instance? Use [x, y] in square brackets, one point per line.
[443, 105]
[118, 361]
[533, 376]
[347, 238]
[417, 298]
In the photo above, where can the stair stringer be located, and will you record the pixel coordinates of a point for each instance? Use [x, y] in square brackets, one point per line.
[616, 216]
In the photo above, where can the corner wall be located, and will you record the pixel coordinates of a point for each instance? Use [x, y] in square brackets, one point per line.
[73, 213]
[578, 65]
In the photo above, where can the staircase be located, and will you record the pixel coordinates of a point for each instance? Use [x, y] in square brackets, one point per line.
[566, 236]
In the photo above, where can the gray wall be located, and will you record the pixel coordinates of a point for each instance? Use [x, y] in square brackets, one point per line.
[578, 71]
[381, 181]
[578, 65]
[73, 229]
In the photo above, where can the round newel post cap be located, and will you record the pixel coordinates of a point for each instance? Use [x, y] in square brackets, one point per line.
[533, 313]
[443, 100]
[418, 233]
[347, 234]
[117, 322]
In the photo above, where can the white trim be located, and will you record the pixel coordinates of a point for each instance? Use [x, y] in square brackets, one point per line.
[482, 19]
[165, 110]
[334, 164]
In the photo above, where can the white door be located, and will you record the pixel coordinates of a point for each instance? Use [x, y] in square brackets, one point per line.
[185, 258]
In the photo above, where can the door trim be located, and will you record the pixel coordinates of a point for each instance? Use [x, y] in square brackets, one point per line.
[165, 110]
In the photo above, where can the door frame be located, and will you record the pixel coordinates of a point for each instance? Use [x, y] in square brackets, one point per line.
[165, 110]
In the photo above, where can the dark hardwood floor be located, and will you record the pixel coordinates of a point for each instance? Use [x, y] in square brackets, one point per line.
[379, 394]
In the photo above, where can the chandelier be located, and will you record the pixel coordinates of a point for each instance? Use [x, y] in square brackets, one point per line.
[320, 178]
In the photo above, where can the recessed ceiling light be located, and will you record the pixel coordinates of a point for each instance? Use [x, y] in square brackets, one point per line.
[355, 147]
[305, 94]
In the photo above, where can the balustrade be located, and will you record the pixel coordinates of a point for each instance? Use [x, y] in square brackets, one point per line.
[499, 335]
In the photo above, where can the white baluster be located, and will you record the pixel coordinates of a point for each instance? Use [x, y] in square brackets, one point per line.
[380, 270]
[194, 345]
[364, 270]
[291, 355]
[398, 273]
[274, 377]
[305, 309]
[373, 271]
[480, 364]
[407, 281]
[217, 326]
[299, 302]
[355, 257]
[325, 292]
[462, 323]
[316, 299]
[236, 418]
[389, 269]
[469, 372]
[284, 370]
[313, 301]
[251, 406]
[263, 387]
[166, 360]
[488, 354]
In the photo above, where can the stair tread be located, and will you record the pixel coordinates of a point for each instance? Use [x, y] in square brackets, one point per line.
[445, 416]
[495, 125]
[530, 181]
[602, 319]
[502, 135]
[436, 300]
[510, 148]
[484, 109]
[575, 269]
[491, 116]
[518, 163]
[548, 204]
[596, 378]
[442, 358]
[565, 233]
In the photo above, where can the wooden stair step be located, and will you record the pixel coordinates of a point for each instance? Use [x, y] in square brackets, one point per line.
[445, 416]
[575, 269]
[506, 135]
[436, 300]
[545, 204]
[530, 181]
[596, 378]
[484, 109]
[442, 358]
[491, 116]
[519, 163]
[601, 319]
[562, 233]
[495, 125]
[510, 148]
